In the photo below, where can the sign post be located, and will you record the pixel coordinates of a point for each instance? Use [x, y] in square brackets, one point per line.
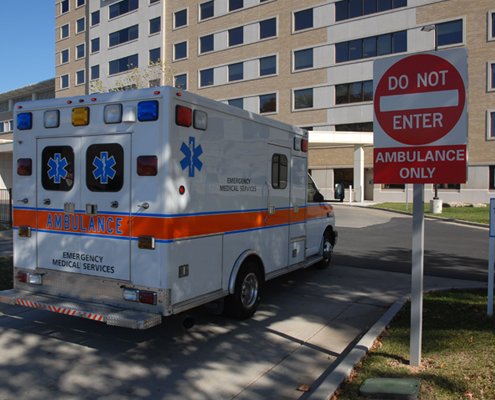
[420, 136]
[491, 258]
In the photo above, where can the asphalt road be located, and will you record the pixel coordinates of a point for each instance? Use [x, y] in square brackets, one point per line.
[381, 240]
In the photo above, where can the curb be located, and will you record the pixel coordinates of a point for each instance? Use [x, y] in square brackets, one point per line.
[327, 388]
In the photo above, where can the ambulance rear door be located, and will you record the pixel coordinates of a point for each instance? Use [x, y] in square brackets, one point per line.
[83, 205]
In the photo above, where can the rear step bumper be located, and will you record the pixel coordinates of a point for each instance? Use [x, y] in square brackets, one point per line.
[109, 315]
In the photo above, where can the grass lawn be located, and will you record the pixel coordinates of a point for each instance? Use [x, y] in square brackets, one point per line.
[458, 354]
[5, 273]
[471, 214]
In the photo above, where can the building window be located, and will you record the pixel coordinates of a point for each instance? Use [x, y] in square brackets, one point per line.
[123, 64]
[180, 81]
[180, 18]
[80, 51]
[268, 28]
[236, 72]
[268, 103]
[236, 36]
[95, 45]
[95, 18]
[207, 10]
[80, 77]
[180, 50]
[393, 186]
[64, 6]
[303, 19]
[491, 76]
[388, 43]
[154, 1]
[154, 56]
[449, 33]
[206, 77]
[154, 82]
[354, 92]
[122, 7]
[303, 98]
[64, 31]
[239, 103]
[206, 44]
[268, 65]
[64, 56]
[95, 72]
[303, 59]
[80, 25]
[491, 125]
[355, 127]
[491, 25]
[123, 36]
[491, 184]
[356, 8]
[235, 4]
[80, 3]
[155, 25]
[64, 81]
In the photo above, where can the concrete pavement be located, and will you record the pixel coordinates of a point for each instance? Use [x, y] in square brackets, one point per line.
[311, 328]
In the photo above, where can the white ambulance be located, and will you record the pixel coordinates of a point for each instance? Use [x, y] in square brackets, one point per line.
[136, 205]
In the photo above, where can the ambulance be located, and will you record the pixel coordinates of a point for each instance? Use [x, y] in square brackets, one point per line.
[134, 206]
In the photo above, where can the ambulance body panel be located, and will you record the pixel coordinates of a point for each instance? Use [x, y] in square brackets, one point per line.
[135, 205]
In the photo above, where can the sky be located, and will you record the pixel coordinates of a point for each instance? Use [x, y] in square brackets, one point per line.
[27, 42]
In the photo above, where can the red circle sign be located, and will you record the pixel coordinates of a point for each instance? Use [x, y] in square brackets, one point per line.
[419, 99]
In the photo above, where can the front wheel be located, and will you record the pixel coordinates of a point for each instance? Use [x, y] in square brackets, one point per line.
[327, 250]
[242, 304]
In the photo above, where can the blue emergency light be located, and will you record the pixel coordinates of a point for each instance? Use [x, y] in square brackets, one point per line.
[24, 121]
[147, 110]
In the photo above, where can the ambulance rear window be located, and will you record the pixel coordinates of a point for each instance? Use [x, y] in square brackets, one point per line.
[105, 167]
[57, 168]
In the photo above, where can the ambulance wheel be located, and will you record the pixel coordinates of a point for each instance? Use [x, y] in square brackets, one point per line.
[327, 251]
[242, 304]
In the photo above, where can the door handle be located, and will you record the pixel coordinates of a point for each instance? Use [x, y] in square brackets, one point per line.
[114, 204]
[47, 202]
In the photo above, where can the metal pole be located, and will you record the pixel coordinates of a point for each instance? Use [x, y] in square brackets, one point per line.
[417, 274]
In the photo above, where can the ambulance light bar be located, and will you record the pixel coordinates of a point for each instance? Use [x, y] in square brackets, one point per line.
[148, 110]
[139, 296]
[183, 116]
[113, 113]
[24, 121]
[52, 119]
[80, 116]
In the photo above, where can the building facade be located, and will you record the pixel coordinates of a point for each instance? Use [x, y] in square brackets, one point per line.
[308, 63]
[37, 91]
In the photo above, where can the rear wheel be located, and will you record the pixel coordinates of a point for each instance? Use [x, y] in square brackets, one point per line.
[244, 301]
[327, 250]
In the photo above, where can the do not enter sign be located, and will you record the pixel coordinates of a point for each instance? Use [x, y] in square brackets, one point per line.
[420, 128]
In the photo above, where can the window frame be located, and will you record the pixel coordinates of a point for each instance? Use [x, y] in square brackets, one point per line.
[66, 76]
[235, 76]
[185, 49]
[269, 35]
[203, 71]
[438, 35]
[78, 28]
[491, 177]
[62, 36]
[92, 45]
[83, 51]
[266, 95]
[175, 81]
[62, 52]
[266, 58]
[93, 69]
[233, 40]
[76, 74]
[151, 25]
[132, 5]
[297, 92]
[302, 52]
[123, 36]
[62, 4]
[95, 15]
[186, 23]
[150, 60]
[490, 125]
[295, 22]
[203, 9]
[119, 60]
[200, 46]
[235, 5]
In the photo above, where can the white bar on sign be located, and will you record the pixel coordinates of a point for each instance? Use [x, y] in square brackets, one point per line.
[416, 101]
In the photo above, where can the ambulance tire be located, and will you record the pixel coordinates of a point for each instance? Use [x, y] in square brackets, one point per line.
[328, 243]
[242, 304]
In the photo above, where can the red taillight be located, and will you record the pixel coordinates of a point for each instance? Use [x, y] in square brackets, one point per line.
[304, 145]
[147, 297]
[147, 165]
[183, 116]
[22, 277]
[24, 166]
